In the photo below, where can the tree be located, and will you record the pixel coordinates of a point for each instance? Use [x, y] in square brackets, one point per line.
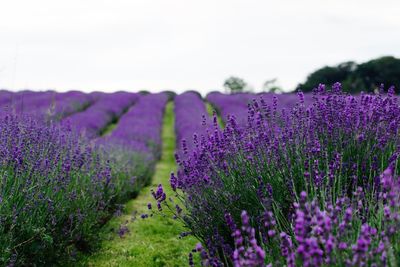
[270, 86]
[234, 85]
[370, 75]
[328, 75]
[355, 78]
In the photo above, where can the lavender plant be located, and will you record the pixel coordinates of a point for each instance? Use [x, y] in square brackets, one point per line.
[337, 234]
[49, 104]
[237, 104]
[107, 108]
[140, 127]
[308, 184]
[231, 105]
[56, 187]
[133, 147]
[191, 121]
[54, 191]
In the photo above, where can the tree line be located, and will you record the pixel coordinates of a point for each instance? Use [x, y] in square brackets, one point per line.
[367, 77]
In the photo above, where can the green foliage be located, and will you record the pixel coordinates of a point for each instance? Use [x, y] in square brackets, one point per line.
[357, 77]
[235, 84]
[371, 74]
[271, 87]
[328, 75]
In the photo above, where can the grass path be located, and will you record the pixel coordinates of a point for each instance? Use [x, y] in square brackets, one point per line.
[150, 242]
[210, 111]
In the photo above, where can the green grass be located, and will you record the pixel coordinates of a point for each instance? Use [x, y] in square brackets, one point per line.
[108, 129]
[153, 241]
[210, 110]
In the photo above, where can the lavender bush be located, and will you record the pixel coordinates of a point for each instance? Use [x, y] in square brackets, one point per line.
[56, 187]
[5, 98]
[107, 108]
[54, 192]
[191, 117]
[65, 104]
[133, 147]
[47, 104]
[314, 185]
[231, 105]
[237, 104]
[140, 127]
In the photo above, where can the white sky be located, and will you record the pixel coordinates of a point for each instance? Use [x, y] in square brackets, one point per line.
[184, 44]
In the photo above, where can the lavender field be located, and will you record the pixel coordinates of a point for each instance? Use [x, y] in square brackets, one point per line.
[157, 179]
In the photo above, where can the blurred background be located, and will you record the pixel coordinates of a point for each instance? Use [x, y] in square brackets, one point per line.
[177, 45]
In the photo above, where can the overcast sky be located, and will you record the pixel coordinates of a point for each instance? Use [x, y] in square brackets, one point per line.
[183, 44]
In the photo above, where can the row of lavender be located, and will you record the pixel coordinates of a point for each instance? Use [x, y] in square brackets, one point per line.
[106, 109]
[47, 103]
[134, 145]
[314, 185]
[60, 177]
[236, 105]
[191, 121]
